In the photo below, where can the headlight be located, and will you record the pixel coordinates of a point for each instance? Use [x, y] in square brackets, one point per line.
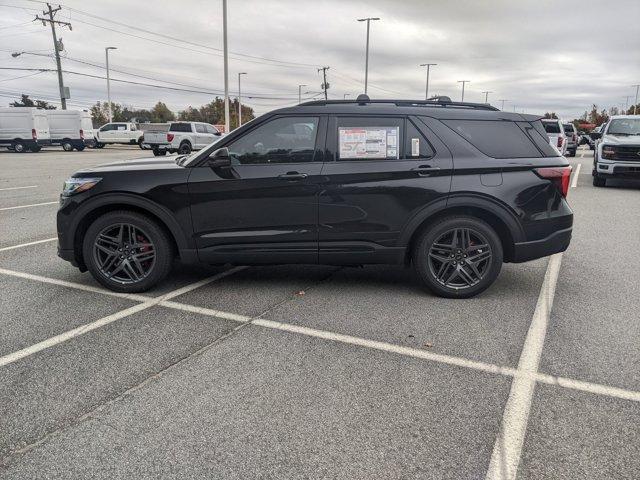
[76, 185]
[608, 152]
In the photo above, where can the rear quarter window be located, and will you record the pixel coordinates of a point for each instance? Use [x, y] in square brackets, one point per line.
[180, 127]
[495, 138]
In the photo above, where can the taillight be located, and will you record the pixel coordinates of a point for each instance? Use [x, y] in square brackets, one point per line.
[559, 176]
[170, 137]
[81, 134]
[560, 139]
[34, 134]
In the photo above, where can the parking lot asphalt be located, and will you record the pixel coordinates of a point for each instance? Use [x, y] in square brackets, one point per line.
[317, 372]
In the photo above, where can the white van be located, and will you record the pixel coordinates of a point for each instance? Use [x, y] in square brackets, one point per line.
[24, 128]
[70, 128]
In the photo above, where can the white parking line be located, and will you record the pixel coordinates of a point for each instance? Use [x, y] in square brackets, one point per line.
[68, 335]
[582, 155]
[574, 182]
[27, 206]
[18, 188]
[508, 446]
[12, 247]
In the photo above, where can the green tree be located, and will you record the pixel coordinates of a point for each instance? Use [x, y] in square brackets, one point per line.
[160, 113]
[550, 115]
[25, 101]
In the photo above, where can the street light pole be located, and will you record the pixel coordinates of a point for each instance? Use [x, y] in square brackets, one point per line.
[300, 93]
[227, 123]
[240, 100]
[486, 95]
[463, 82]
[344, 97]
[502, 100]
[106, 53]
[428, 65]
[636, 102]
[366, 61]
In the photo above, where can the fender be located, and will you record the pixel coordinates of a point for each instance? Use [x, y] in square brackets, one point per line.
[183, 241]
[463, 199]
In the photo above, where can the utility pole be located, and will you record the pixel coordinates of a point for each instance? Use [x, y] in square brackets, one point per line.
[503, 100]
[626, 103]
[240, 100]
[227, 122]
[428, 65]
[366, 61]
[463, 82]
[300, 93]
[56, 46]
[636, 102]
[486, 95]
[106, 52]
[325, 85]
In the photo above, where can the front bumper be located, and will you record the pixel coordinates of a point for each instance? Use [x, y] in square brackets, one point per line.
[617, 168]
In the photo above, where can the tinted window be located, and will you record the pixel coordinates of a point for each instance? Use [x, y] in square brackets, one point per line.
[551, 127]
[415, 145]
[121, 126]
[497, 139]
[200, 128]
[568, 128]
[107, 127]
[211, 129]
[369, 138]
[536, 132]
[282, 140]
[180, 127]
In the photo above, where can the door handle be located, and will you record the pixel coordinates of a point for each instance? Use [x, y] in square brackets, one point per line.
[425, 170]
[292, 176]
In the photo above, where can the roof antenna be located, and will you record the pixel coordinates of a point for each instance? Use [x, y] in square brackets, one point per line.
[362, 98]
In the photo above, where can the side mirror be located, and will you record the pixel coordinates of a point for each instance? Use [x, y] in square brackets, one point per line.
[220, 158]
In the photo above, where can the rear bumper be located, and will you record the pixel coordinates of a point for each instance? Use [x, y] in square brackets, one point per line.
[555, 243]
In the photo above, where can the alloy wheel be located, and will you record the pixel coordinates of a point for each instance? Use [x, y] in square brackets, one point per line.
[460, 258]
[124, 253]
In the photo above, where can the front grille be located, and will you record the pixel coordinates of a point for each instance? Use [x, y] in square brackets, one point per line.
[628, 153]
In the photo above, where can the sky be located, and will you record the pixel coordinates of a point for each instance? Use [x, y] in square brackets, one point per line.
[538, 55]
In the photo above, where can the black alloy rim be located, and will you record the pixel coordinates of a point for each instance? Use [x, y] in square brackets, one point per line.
[124, 253]
[460, 258]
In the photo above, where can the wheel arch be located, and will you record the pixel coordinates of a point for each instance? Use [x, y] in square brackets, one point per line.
[497, 216]
[108, 203]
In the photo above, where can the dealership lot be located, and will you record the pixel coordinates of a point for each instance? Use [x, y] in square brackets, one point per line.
[298, 371]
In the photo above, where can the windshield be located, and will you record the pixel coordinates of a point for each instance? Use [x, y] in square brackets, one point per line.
[624, 126]
[568, 129]
[551, 127]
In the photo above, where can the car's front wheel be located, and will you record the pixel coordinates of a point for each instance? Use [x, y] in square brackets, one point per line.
[598, 181]
[458, 257]
[127, 252]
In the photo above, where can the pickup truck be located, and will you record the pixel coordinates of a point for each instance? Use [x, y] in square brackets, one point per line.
[617, 151]
[126, 133]
[571, 132]
[182, 137]
[555, 132]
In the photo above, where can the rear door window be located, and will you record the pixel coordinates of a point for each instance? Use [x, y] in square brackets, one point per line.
[369, 138]
[551, 127]
[200, 128]
[495, 138]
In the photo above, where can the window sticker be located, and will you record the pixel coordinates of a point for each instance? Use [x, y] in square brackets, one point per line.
[368, 142]
[415, 147]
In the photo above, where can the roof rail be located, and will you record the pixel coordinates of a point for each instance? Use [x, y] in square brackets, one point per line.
[441, 101]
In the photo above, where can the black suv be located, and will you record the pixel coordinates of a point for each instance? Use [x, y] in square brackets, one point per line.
[456, 189]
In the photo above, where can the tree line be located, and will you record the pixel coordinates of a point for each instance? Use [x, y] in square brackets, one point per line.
[212, 112]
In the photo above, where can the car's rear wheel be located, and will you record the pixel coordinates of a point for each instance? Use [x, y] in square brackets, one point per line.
[127, 252]
[458, 257]
[67, 146]
[158, 153]
[184, 148]
[19, 147]
[35, 148]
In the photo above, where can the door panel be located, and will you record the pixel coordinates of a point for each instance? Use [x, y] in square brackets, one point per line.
[365, 204]
[259, 212]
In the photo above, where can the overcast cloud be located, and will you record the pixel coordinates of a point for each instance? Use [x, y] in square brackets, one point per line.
[540, 55]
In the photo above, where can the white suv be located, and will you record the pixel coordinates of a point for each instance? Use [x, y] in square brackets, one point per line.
[118, 132]
[182, 137]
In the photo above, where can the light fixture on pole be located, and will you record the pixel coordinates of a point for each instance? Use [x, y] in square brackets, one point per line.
[106, 53]
[502, 100]
[300, 93]
[366, 61]
[428, 65]
[463, 82]
[486, 95]
[240, 100]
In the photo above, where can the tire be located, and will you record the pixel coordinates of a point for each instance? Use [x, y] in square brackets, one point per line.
[99, 145]
[19, 147]
[184, 148]
[572, 153]
[67, 146]
[150, 271]
[159, 153]
[80, 148]
[598, 181]
[456, 280]
[35, 149]
[139, 142]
